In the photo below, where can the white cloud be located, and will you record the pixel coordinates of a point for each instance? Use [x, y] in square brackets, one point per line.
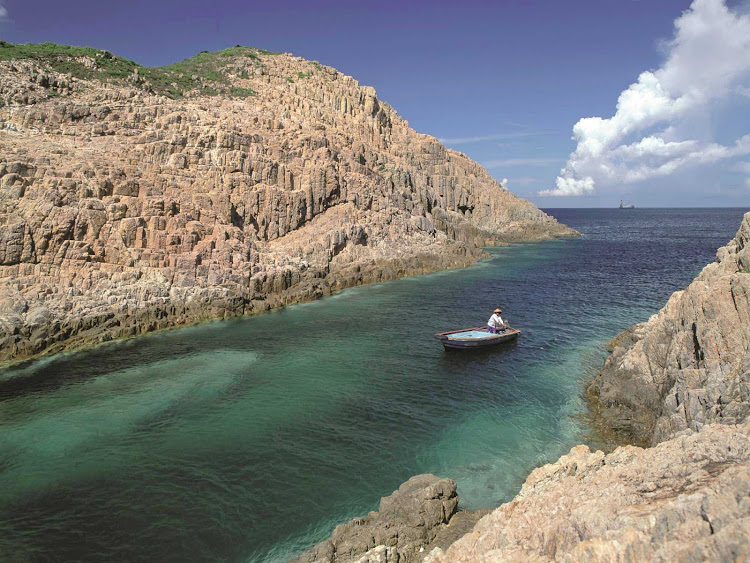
[571, 186]
[747, 183]
[707, 60]
[3, 13]
[504, 183]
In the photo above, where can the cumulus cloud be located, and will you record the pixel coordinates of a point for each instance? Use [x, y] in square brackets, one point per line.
[571, 186]
[708, 60]
[504, 183]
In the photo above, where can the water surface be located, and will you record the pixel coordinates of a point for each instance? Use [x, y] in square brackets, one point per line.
[248, 440]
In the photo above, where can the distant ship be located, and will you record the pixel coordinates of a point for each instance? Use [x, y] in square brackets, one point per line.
[626, 206]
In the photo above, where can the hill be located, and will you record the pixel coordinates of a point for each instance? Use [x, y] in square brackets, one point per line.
[134, 199]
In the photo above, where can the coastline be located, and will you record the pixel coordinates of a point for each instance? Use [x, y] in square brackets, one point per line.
[149, 320]
[679, 497]
[368, 378]
[117, 327]
[686, 366]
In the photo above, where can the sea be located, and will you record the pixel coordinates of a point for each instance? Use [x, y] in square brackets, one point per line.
[250, 439]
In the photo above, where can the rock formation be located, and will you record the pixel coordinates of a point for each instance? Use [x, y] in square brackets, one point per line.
[687, 499]
[689, 365]
[133, 199]
[679, 382]
[421, 514]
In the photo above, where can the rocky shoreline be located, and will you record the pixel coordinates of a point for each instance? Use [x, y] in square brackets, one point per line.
[422, 514]
[688, 365]
[679, 383]
[135, 199]
[42, 337]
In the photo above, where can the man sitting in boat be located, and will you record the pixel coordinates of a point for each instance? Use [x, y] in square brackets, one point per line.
[496, 323]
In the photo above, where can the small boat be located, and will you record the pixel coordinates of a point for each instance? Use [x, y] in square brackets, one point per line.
[476, 337]
[631, 206]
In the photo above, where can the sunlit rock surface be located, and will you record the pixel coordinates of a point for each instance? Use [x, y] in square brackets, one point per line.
[689, 365]
[268, 180]
[687, 499]
[421, 514]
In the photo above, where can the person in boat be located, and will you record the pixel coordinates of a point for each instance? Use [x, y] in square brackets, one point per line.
[496, 323]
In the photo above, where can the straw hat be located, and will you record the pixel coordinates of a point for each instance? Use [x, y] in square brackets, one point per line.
[498, 310]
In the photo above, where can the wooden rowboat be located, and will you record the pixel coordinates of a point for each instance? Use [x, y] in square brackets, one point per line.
[476, 337]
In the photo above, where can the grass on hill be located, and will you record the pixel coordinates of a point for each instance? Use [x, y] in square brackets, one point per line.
[206, 72]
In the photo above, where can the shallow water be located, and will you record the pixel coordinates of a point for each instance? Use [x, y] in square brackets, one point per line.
[250, 439]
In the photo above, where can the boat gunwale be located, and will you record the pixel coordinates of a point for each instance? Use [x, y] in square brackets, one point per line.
[443, 336]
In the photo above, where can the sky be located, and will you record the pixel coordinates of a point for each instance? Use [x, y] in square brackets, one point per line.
[569, 103]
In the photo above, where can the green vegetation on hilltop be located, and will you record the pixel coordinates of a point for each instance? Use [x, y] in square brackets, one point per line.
[206, 72]
[67, 59]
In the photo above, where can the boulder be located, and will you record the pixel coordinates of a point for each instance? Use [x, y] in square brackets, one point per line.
[407, 522]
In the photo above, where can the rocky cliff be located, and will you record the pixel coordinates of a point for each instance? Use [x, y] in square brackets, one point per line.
[132, 198]
[681, 383]
[689, 365]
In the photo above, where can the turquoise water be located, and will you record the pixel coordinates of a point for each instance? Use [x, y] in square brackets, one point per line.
[250, 439]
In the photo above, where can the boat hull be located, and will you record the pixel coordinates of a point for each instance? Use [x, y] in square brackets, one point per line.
[473, 338]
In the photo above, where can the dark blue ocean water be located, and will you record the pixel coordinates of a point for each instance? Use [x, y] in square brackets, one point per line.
[250, 439]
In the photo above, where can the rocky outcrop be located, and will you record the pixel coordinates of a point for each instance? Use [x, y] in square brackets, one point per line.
[422, 513]
[267, 180]
[687, 499]
[689, 365]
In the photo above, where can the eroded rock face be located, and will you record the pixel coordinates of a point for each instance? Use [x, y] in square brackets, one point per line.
[122, 211]
[687, 499]
[689, 365]
[407, 521]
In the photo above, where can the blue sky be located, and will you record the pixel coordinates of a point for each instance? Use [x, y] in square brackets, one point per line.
[503, 82]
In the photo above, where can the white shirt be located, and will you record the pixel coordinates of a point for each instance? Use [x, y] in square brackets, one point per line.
[496, 321]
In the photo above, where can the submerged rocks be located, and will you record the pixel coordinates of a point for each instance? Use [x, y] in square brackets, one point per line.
[120, 204]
